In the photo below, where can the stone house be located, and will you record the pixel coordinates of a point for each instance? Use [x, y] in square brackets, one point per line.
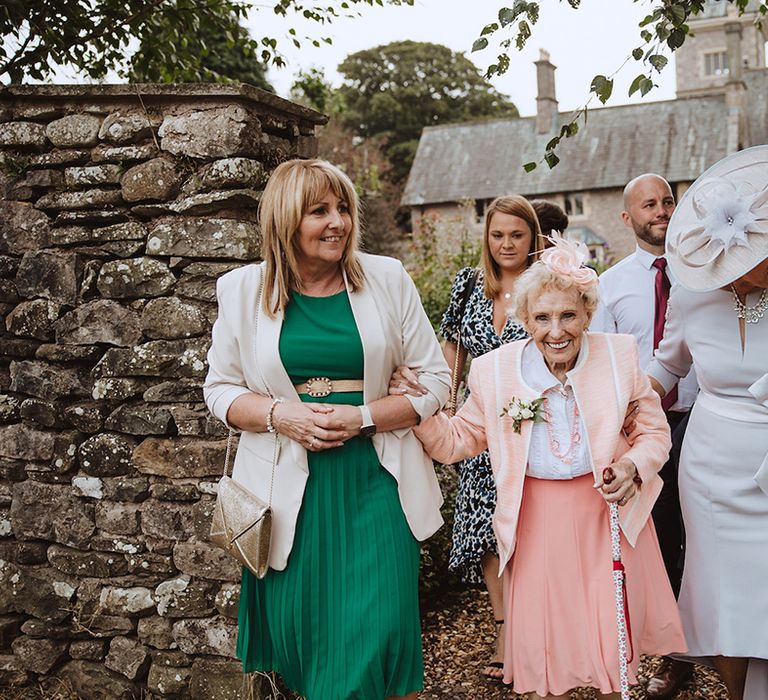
[721, 107]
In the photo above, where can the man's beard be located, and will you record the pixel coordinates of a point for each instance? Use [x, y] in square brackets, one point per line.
[647, 234]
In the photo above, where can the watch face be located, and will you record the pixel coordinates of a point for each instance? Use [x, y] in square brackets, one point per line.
[368, 431]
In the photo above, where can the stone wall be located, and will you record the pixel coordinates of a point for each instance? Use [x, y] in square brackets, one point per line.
[121, 205]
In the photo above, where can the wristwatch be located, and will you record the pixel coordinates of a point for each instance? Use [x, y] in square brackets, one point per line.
[368, 428]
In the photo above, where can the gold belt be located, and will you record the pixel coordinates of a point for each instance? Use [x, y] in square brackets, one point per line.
[319, 387]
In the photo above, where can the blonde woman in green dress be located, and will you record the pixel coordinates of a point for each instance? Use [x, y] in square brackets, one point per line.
[303, 347]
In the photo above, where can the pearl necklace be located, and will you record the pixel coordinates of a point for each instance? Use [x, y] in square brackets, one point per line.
[751, 314]
[566, 456]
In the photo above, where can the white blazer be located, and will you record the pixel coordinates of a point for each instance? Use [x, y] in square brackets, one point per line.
[394, 331]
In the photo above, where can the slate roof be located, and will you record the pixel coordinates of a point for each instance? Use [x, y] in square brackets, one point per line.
[677, 138]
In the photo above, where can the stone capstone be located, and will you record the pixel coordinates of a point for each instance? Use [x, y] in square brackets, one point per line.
[171, 318]
[157, 358]
[213, 133]
[129, 657]
[155, 179]
[106, 454]
[181, 598]
[205, 238]
[74, 130]
[132, 279]
[49, 274]
[89, 175]
[204, 560]
[33, 319]
[23, 134]
[126, 127]
[51, 512]
[92, 681]
[100, 321]
[210, 635]
[38, 655]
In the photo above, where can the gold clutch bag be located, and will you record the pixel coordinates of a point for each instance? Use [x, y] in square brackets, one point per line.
[242, 525]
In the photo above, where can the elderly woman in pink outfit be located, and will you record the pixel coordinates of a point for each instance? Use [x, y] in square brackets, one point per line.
[550, 411]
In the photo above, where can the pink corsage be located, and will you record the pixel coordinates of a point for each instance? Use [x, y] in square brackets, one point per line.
[566, 258]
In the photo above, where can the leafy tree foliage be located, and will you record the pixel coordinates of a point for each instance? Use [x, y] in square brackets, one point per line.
[225, 54]
[93, 36]
[396, 90]
[664, 29]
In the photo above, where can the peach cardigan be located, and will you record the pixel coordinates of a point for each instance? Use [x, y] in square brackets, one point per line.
[607, 376]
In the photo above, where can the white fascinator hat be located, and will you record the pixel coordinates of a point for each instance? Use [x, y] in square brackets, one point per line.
[719, 230]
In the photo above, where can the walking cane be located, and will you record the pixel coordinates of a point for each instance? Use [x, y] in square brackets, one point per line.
[620, 594]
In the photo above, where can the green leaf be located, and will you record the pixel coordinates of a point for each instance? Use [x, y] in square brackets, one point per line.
[678, 14]
[635, 86]
[602, 87]
[506, 16]
[551, 159]
[646, 85]
[553, 143]
[676, 38]
[528, 167]
[658, 61]
[489, 29]
[480, 44]
[637, 53]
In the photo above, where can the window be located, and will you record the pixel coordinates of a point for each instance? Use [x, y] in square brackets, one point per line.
[480, 206]
[574, 205]
[716, 63]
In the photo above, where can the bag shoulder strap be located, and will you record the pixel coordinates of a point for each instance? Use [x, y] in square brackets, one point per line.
[460, 349]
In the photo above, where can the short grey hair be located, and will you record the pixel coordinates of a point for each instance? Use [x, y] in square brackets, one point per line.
[539, 278]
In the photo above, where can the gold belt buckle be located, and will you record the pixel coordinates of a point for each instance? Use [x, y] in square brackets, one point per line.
[319, 387]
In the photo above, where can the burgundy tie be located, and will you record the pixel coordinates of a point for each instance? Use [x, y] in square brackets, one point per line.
[662, 286]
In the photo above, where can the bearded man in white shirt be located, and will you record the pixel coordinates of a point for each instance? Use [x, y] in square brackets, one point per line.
[633, 299]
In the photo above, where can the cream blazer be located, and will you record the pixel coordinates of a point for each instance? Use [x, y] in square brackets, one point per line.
[607, 376]
[394, 331]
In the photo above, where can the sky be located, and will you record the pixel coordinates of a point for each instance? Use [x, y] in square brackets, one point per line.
[595, 39]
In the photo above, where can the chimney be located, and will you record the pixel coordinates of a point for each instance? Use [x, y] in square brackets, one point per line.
[546, 102]
[737, 136]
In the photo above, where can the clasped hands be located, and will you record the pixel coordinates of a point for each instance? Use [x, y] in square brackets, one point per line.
[317, 426]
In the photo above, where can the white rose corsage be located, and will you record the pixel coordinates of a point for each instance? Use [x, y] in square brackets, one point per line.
[519, 411]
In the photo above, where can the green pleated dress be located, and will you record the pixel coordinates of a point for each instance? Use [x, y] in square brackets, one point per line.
[342, 620]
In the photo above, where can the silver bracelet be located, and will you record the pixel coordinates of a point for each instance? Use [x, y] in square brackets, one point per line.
[270, 415]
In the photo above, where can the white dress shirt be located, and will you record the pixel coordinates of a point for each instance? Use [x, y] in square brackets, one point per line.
[627, 305]
[542, 462]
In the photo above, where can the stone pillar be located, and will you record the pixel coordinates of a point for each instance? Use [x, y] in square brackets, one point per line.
[119, 207]
[546, 102]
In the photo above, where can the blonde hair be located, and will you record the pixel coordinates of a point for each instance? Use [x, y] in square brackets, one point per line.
[515, 205]
[293, 187]
[539, 278]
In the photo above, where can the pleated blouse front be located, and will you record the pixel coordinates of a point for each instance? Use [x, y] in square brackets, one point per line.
[342, 620]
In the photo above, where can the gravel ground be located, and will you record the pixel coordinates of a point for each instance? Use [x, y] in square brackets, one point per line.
[458, 640]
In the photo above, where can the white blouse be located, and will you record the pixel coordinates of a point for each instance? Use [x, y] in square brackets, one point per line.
[552, 438]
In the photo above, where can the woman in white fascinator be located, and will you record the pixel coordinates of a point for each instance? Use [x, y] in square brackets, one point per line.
[717, 321]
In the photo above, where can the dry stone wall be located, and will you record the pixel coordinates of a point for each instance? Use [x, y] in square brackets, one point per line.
[121, 205]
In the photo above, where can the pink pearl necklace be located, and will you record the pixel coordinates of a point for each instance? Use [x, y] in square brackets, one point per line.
[567, 456]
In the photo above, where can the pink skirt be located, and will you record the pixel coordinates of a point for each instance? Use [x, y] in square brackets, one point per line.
[560, 613]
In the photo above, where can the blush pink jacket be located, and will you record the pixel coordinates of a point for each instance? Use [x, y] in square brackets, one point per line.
[607, 376]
